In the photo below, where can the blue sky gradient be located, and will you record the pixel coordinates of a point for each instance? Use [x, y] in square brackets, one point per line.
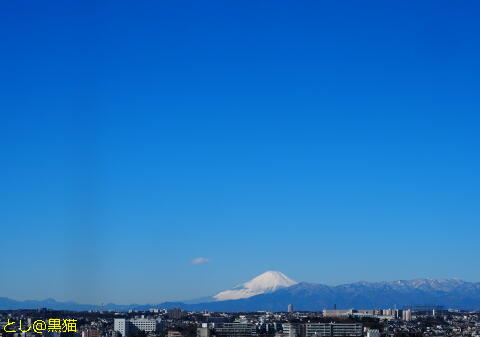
[333, 141]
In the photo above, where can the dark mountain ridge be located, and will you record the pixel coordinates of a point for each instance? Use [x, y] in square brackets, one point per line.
[450, 293]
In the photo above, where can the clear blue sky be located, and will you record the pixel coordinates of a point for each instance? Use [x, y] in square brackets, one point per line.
[333, 141]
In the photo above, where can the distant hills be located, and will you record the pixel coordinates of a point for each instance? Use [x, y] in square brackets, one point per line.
[273, 291]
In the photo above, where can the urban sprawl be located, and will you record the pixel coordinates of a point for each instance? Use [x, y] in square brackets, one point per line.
[415, 321]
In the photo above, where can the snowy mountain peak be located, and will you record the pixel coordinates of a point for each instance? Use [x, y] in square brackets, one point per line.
[264, 283]
[270, 280]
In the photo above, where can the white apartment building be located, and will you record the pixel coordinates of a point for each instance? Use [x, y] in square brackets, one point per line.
[333, 330]
[144, 324]
[291, 330]
[120, 325]
[125, 327]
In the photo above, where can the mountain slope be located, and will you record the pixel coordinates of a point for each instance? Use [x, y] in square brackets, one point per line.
[452, 293]
[276, 294]
[267, 282]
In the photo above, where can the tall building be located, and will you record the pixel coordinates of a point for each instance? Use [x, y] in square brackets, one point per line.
[407, 315]
[121, 326]
[290, 308]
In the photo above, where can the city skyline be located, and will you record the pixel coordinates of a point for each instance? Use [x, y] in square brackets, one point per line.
[166, 151]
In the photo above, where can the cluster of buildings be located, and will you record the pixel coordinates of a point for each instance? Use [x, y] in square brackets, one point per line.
[327, 323]
[388, 314]
[321, 329]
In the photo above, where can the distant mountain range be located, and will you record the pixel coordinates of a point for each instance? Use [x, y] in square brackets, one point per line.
[273, 291]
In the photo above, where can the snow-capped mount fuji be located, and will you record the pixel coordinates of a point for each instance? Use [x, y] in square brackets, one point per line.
[273, 291]
[258, 295]
[265, 283]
